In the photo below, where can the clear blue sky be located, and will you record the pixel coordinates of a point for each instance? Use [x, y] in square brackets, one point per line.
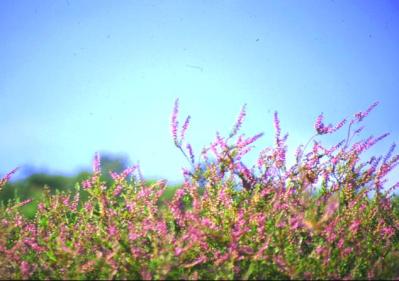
[83, 76]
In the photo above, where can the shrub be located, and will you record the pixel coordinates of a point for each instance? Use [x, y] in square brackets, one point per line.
[328, 216]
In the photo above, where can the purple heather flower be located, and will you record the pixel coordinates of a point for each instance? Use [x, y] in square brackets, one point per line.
[75, 202]
[388, 231]
[277, 127]
[133, 236]
[88, 206]
[347, 251]
[65, 200]
[145, 274]
[25, 268]
[320, 250]
[97, 163]
[87, 184]
[190, 152]
[221, 258]
[389, 154]
[361, 115]
[339, 125]
[162, 228]
[249, 141]
[354, 227]
[7, 177]
[114, 176]
[332, 206]
[225, 197]
[130, 206]
[41, 207]
[321, 129]
[112, 230]
[295, 223]
[340, 243]
[184, 128]
[330, 233]
[128, 171]
[5, 222]
[118, 190]
[178, 251]
[31, 228]
[174, 122]
[239, 121]
[298, 152]
[280, 157]
[23, 203]
[357, 131]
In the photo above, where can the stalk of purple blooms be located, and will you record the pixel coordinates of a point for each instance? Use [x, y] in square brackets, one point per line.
[325, 217]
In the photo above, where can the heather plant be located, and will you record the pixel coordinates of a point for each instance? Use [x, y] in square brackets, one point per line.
[330, 215]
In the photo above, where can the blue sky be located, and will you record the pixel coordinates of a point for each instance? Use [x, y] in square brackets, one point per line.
[84, 76]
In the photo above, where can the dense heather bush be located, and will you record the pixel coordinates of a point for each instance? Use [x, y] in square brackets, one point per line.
[327, 216]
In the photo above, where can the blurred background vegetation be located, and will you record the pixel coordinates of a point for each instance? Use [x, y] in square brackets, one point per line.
[32, 185]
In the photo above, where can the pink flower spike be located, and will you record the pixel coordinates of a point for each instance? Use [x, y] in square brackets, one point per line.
[25, 269]
[118, 190]
[112, 231]
[7, 177]
[361, 115]
[340, 125]
[319, 125]
[184, 128]
[23, 203]
[86, 184]
[239, 121]
[277, 126]
[174, 122]
[190, 152]
[97, 163]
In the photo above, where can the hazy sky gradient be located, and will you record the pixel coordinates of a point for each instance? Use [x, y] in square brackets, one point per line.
[83, 76]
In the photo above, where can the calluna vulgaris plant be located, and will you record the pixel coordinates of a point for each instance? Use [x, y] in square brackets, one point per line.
[328, 216]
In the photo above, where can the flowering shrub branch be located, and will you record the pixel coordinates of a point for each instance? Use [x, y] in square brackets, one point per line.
[328, 216]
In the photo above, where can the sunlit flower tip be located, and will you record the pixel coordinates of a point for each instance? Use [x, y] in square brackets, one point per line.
[249, 140]
[23, 203]
[319, 126]
[190, 152]
[97, 163]
[185, 127]
[298, 151]
[239, 121]
[340, 124]
[371, 107]
[7, 177]
[389, 154]
[174, 122]
[361, 115]
[277, 124]
[114, 175]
